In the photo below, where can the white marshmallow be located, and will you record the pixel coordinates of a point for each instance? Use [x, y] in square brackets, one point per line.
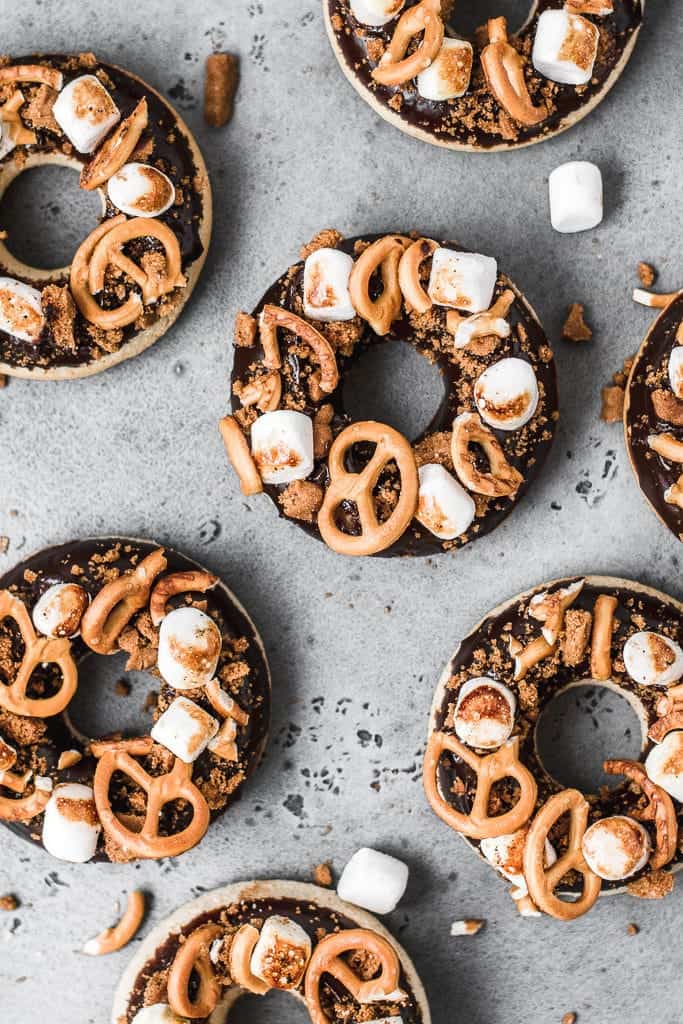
[141, 190]
[189, 647]
[565, 47]
[443, 506]
[616, 848]
[185, 729]
[664, 764]
[21, 311]
[58, 612]
[160, 1013]
[215, 950]
[85, 112]
[282, 952]
[506, 394]
[373, 880]
[652, 659]
[676, 371]
[506, 854]
[575, 196]
[376, 12]
[462, 280]
[448, 76]
[467, 327]
[71, 826]
[282, 446]
[484, 713]
[326, 285]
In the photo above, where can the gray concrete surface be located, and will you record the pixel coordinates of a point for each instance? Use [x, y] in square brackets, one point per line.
[136, 451]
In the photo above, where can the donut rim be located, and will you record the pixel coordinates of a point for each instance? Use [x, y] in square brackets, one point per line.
[423, 135]
[146, 338]
[274, 889]
[616, 582]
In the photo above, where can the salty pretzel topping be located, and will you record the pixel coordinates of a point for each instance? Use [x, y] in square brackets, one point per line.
[386, 254]
[32, 73]
[117, 150]
[16, 129]
[504, 71]
[223, 704]
[660, 809]
[653, 299]
[409, 274]
[666, 445]
[264, 392]
[276, 316]
[107, 319]
[504, 763]
[241, 459]
[117, 602]
[601, 639]
[482, 325]
[111, 940]
[668, 723]
[526, 657]
[241, 949]
[550, 609]
[395, 68]
[327, 959]
[192, 962]
[108, 252]
[502, 480]
[177, 583]
[390, 446]
[26, 808]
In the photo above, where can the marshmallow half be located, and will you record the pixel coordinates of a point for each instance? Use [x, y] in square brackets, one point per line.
[676, 371]
[326, 285]
[616, 848]
[21, 310]
[506, 394]
[141, 190]
[71, 826]
[484, 713]
[376, 13]
[462, 280]
[664, 764]
[282, 952]
[652, 659]
[282, 446]
[373, 880]
[449, 74]
[575, 190]
[444, 506]
[185, 729]
[58, 612]
[506, 854]
[159, 1013]
[189, 647]
[85, 112]
[565, 47]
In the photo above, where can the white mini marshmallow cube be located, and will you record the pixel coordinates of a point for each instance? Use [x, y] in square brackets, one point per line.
[565, 47]
[71, 826]
[506, 854]
[664, 764]
[616, 848]
[449, 74]
[185, 729]
[484, 713]
[506, 394]
[376, 13]
[373, 880]
[58, 612]
[189, 647]
[652, 659]
[326, 285]
[85, 112]
[282, 446]
[462, 280]
[676, 371]
[282, 952]
[575, 197]
[444, 506]
[21, 310]
[159, 1013]
[141, 190]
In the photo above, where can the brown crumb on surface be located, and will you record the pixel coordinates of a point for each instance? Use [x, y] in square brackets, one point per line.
[612, 404]
[220, 86]
[4, 380]
[654, 886]
[647, 274]
[633, 929]
[122, 688]
[328, 238]
[301, 499]
[245, 330]
[4, 545]
[575, 327]
[8, 902]
[569, 1018]
[322, 875]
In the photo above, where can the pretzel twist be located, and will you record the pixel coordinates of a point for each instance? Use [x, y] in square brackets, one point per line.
[502, 480]
[116, 150]
[27, 807]
[111, 610]
[327, 959]
[32, 73]
[395, 68]
[384, 254]
[192, 961]
[177, 583]
[409, 273]
[109, 252]
[504, 70]
[660, 810]
[273, 317]
[240, 457]
[241, 949]
[107, 319]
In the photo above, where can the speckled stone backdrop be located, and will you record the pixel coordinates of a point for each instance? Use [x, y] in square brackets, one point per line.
[356, 646]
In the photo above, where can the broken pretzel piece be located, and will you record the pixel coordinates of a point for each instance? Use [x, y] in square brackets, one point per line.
[503, 67]
[113, 939]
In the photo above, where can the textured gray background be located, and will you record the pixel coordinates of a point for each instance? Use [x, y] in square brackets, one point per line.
[136, 451]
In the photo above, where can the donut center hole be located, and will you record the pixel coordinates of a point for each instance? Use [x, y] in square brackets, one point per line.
[469, 15]
[109, 699]
[273, 1008]
[581, 728]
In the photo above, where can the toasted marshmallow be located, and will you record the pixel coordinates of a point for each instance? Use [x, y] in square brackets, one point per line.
[676, 371]
[506, 854]
[8, 755]
[85, 112]
[282, 446]
[448, 76]
[326, 285]
[160, 1013]
[72, 826]
[444, 506]
[373, 880]
[59, 611]
[664, 764]
[185, 729]
[565, 47]
[462, 280]
[616, 848]
[506, 394]
[141, 190]
[21, 311]
[653, 659]
[484, 713]
[376, 12]
[189, 647]
[282, 953]
[575, 196]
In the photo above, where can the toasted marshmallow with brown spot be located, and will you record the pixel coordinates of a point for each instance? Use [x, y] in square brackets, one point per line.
[462, 280]
[189, 647]
[58, 612]
[185, 729]
[141, 190]
[484, 713]
[449, 74]
[21, 311]
[616, 848]
[282, 952]
[506, 854]
[444, 506]
[652, 659]
[85, 112]
[676, 371]
[664, 764]
[565, 47]
[326, 285]
[71, 827]
[8, 755]
[376, 12]
[282, 446]
[159, 1013]
[506, 394]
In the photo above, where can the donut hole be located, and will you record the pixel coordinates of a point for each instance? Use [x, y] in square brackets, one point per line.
[109, 699]
[469, 15]
[273, 1008]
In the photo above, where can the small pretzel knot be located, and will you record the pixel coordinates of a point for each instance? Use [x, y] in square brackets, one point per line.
[395, 68]
[660, 810]
[542, 881]
[390, 446]
[327, 959]
[192, 963]
[384, 254]
[273, 317]
[504, 70]
[502, 480]
[117, 602]
[504, 763]
[37, 651]
[28, 806]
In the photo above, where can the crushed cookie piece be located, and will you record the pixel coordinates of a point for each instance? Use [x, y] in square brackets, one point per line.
[569, 1018]
[302, 499]
[647, 274]
[574, 643]
[246, 329]
[322, 875]
[655, 886]
[575, 327]
[612, 404]
[328, 238]
[37, 112]
[633, 929]
[220, 86]
[470, 926]
[60, 313]
[8, 903]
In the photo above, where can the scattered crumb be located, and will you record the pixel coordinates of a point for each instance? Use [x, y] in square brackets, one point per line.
[4, 545]
[612, 404]
[647, 274]
[633, 929]
[302, 499]
[245, 330]
[122, 688]
[322, 874]
[8, 903]
[68, 758]
[470, 926]
[4, 380]
[569, 1018]
[327, 238]
[621, 376]
[575, 327]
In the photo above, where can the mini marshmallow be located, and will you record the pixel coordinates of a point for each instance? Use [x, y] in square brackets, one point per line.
[444, 506]
[616, 848]
[448, 76]
[85, 112]
[575, 196]
[282, 446]
[282, 953]
[185, 729]
[565, 47]
[462, 280]
[468, 326]
[160, 1013]
[71, 827]
[141, 190]
[189, 647]
[652, 659]
[484, 713]
[376, 12]
[664, 764]
[506, 854]
[676, 371]
[373, 880]
[506, 394]
[326, 285]
[21, 311]
[58, 612]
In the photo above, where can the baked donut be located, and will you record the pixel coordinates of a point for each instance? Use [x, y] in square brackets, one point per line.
[483, 773]
[496, 91]
[84, 798]
[362, 486]
[132, 275]
[251, 937]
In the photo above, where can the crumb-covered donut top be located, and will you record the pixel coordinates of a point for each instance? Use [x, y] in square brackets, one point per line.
[361, 486]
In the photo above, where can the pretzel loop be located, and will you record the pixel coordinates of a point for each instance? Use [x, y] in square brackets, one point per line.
[660, 810]
[326, 959]
[384, 254]
[27, 807]
[504, 71]
[273, 317]
[117, 602]
[177, 583]
[193, 958]
[395, 68]
[409, 273]
[502, 480]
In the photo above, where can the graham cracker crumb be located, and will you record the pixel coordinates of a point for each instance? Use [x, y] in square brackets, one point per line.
[655, 886]
[647, 274]
[245, 330]
[328, 238]
[8, 903]
[60, 313]
[577, 624]
[301, 499]
[322, 874]
[612, 404]
[575, 327]
[633, 929]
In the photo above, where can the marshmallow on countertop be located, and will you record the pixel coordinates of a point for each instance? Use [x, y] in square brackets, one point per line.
[189, 647]
[58, 612]
[185, 729]
[506, 854]
[565, 47]
[140, 190]
[281, 954]
[448, 76]
[159, 1013]
[373, 880]
[676, 371]
[462, 280]
[664, 764]
[616, 848]
[506, 394]
[71, 827]
[484, 713]
[21, 311]
[652, 659]
[376, 13]
[282, 446]
[85, 112]
[444, 506]
[575, 196]
[326, 285]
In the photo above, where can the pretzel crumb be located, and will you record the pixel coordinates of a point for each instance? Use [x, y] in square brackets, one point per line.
[328, 238]
[4, 545]
[575, 327]
[612, 404]
[9, 903]
[655, 886]
[633, 929]
[647, 274]
[569, 1018]
[220, 86]
[322, 874]
[68, 758]
[469, 926]
[246, 328]
[302, 499]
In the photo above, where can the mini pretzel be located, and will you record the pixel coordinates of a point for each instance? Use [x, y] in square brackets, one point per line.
[666, 445]
[275, 316]
[192, 961]
[601, 639]
[223, 704]
[358, 488]
[385, 254]
[502, 480]
[117, 602]
[32, 73]
[668, 723]
[37, 651]
[482, 325]
[26, 808]
[177, 583]
[395, 68]
[117, 150]
[111, 940]
[239, 454]
[504, 71]
[9, 115]
[526, 657]
[409, 274]
[241, 949]
[327, 959]
[504, 763]
[550, 609]
[660, 809]
[108, 251]
[264, 392]
[599, 7]
[541, 880]
[107, 319]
